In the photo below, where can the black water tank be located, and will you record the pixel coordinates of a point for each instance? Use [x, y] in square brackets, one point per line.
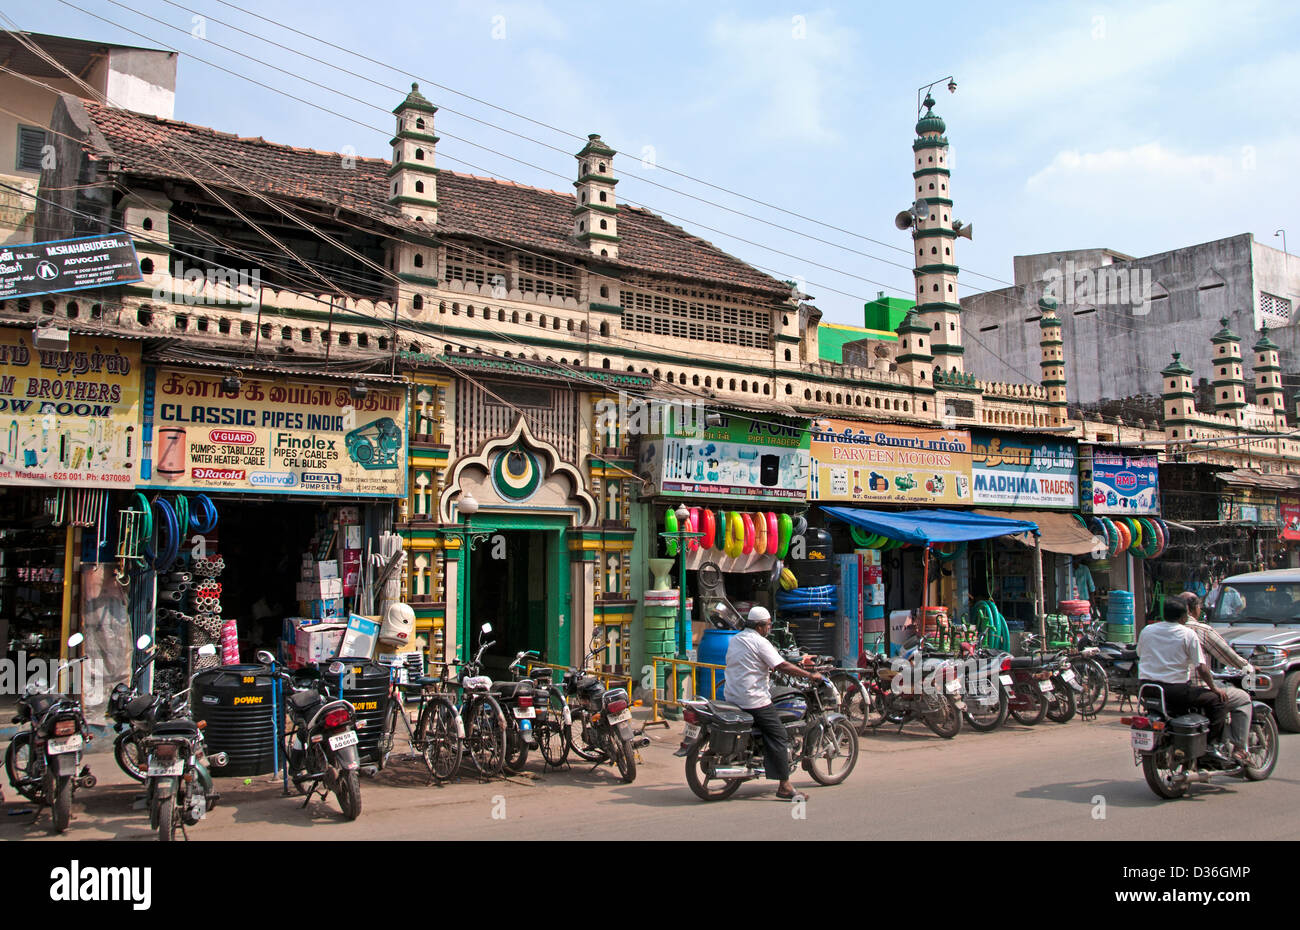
[237, 702]
[816, 633]
[364, 683]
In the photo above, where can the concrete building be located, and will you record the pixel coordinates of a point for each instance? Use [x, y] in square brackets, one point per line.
[138, 79]
[1122, 316]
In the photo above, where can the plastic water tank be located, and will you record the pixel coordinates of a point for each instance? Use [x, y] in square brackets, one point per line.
[712, 650]
[237, 705]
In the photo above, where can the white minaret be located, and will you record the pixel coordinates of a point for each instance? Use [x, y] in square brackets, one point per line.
[934, 239]
[595, 215]
[1268, 375]
[413, 179]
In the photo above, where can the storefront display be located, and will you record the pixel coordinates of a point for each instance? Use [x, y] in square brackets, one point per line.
[888, 464]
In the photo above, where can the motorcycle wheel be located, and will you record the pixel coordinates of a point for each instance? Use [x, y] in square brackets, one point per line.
[167, 819]
[838, 743]
[1028, 718]
[441, 746]
[624, 756]
[486, 738]
[698, 780]
[131, 758]
[516, 750]
[1160, 780]
[578, 731]
[1096, 689]
[61, 806]
[987, 718]
[18, 767]
[1262, 748]
[946, 721]
[347, 789]
[1061, 707]
[297, 761]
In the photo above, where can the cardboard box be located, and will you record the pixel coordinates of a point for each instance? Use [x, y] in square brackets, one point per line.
[326, 589]
[327, 609]
[316, 571]
[348, 513]
[318, 642]
[361, 637]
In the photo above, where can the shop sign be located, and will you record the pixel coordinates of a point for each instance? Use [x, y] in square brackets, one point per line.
[745, 456]
[1121, 484]
[67, 265]
[884, 463]
[68, 416]
[273, 436]
[1018, 473]
[1290, 521]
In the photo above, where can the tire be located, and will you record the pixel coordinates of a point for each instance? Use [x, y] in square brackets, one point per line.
[839, 740]
[1160, 782]
[624, 757]
[853, 704]
[1062, 707]
[128, 750]
[61, 805]
[1096, 689]
[946, 722]
[1263, 748]
[873, 708]
[18, 766]
[553, 739]
[1032, 719]
[486, 738]
[988, 721]
[297, 762]
[699, 783]
[387, 736]
[348, 791]
[441, 747]
[516, 756]
[582, 727]
[1287, 705]
[167, 819]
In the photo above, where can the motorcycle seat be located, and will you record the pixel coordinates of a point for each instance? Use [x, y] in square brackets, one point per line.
[138, 707]
[730, 713]
[304, 700]
[1024, 662]
[509, 689]
[180, 727]
[40, 703]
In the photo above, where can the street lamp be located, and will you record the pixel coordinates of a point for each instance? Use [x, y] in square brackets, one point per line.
[466, 507]
[924, 90]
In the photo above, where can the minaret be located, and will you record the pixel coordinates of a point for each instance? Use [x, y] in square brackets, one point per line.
[595, 217]
[914, 357]
[1268, 375]
[1053, 362]
[934, 238]
[413, 179]
[1229, 388]
[1179, 398]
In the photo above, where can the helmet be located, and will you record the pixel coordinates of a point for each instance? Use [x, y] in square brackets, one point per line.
[756, 616]
[398, 625]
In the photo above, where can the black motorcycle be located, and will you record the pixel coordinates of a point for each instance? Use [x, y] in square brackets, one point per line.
[723, 745]
[601, 730]
[519, 704]
[920, 685]
[320, 748]
[552, 725]
[43, 762]
[134, 715]
[1173, 750]
[1063, 698]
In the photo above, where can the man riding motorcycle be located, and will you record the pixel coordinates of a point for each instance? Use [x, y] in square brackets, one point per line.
[1216, 647]
[750, 661]
[1168, 652]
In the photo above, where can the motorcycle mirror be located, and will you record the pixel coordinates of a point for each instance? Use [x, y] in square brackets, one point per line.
[76, 639]
[264, 657]
[485, 629]
[143, 642]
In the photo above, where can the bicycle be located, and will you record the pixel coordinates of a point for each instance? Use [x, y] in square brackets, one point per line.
[483, 721]
[438, 735]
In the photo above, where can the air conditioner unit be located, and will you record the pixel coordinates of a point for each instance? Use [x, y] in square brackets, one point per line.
[50, 337]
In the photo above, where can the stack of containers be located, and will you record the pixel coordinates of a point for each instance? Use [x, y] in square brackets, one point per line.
[1119, 616]
[660, 631]
[320, 590]
[873, 600]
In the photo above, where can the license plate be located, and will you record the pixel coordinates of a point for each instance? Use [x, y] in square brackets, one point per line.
[692, 730]
[1144, 739]
[1068, 674]
[64, 744]
[1005, 679]
[616, 719]
[346, 738]
[525, 713]
[159, 769]
[952, 687]
[1045, 685]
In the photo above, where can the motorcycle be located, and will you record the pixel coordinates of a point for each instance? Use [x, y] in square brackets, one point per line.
[1062, 699]
[987, 703]
[722, 743]
[320, 750]
[42, 761]
[180, 790]
[553, 723]
[519, 704]
[134, 715]
[1173, 749]
[917, 686]
[601, 729]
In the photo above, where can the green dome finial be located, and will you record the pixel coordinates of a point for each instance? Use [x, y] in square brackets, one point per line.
[930, 122]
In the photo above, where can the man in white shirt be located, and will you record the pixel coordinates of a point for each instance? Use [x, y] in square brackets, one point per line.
[1168, 654]
[751, 659]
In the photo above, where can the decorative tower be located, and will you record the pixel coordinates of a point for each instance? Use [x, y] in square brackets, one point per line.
[914, 358]
[1268, 376]
[595, 217]
[413, 179]
[1053, 362]
[1179, 398]
[1229, 388]
[934, 239]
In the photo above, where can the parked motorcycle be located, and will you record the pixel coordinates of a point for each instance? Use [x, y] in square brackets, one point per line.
[987, 703]
[43, 762]
[601, 729]
[553, 723]
[134, 715]
[321, 748]
[915, 687]
[723, 745]
[518, 700]
[1062, 701]
[1173, 750]
[180, 790]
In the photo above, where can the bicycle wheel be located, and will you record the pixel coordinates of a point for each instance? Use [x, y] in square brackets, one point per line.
[486, 736]
[584, 740]
[853, 704]
[438, 740]
[388, 735]
[553, 737]
[1096, 690]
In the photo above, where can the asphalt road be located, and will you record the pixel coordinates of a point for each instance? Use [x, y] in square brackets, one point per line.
[1050, 782]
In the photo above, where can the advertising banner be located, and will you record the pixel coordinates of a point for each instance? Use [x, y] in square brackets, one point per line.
[887, 464]
[1122, 484]
[745, 456]
[67, 265]
[1012, 472]
[68, 417]
[273, 436]
[1290, 521]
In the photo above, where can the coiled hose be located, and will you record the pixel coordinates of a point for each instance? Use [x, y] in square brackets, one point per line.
[208, 522]
[169, 536]
[820, 597]
[992, 625]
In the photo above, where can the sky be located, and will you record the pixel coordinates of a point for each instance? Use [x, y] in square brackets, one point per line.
[782, 132]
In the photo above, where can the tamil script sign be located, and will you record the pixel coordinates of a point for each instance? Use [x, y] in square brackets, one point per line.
[68, 416]
[883, 463]
[67, 265]
[274, 437]
[1018, 473]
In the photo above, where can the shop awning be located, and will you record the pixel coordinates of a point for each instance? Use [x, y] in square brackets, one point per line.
[1058, 532]
[931, 526]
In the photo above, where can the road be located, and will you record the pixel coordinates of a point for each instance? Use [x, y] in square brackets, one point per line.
[1050, 782]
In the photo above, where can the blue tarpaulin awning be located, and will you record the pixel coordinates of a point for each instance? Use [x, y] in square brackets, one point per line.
[931, 526]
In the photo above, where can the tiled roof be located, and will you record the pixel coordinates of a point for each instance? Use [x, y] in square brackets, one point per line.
[486, 208]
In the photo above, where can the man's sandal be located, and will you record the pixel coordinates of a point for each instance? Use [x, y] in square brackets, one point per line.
[792, 796]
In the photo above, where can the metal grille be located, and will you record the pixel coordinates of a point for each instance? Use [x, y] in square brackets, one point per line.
[480, 417]
[688, 313]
